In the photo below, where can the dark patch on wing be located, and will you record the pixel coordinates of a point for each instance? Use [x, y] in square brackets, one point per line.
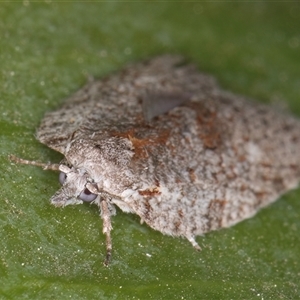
[158, 103]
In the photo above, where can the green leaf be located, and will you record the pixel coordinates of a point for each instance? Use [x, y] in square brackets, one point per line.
[48, 51]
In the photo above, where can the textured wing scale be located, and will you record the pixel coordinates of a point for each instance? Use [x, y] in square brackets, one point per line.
[121, 98]
[209, 162]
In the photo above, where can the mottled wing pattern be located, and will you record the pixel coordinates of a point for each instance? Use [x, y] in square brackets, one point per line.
[212, 160]
[213, 164]
[124, 97]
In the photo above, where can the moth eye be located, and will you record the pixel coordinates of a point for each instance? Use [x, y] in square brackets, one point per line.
[62, 177]
[87, 196]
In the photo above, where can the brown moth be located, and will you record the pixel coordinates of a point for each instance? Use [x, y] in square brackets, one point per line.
[163, 141]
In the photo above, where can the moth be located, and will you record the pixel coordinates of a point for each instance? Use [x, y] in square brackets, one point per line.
[164, 141]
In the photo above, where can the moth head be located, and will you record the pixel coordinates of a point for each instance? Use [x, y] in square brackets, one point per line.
[76, 188]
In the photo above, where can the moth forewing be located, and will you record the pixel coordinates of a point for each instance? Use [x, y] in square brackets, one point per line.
[165, 142]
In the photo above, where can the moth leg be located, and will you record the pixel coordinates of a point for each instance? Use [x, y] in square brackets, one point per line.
[48, 166]
[107, 227]
[192, 240]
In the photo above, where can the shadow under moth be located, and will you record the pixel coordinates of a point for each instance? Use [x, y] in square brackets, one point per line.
[163, 141]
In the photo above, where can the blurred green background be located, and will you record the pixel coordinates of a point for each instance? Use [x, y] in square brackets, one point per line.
[48, 51]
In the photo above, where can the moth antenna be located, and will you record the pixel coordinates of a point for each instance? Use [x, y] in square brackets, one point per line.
[48, 166]
[107, 227]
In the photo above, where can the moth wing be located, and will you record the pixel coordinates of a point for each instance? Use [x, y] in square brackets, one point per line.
[209, 163]
[134, 95]
[59, 127]
[213, 163]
